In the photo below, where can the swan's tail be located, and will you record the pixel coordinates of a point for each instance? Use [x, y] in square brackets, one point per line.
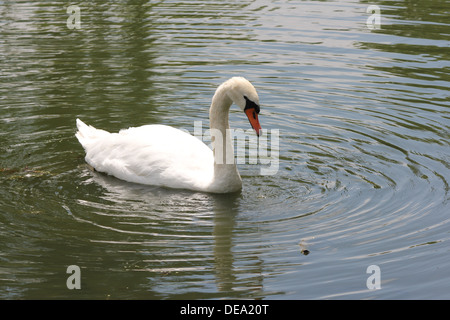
[86, 134]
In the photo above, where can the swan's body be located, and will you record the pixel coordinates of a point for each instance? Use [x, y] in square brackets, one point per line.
[164, 156]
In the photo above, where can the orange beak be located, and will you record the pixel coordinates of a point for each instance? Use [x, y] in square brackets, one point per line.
[252, 116]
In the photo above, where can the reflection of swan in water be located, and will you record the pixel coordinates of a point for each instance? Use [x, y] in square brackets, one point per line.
[229, 262]
[164, 156]
[162, 207]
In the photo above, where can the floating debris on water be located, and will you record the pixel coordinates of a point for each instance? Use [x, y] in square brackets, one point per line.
[20, 173]
[303, 249]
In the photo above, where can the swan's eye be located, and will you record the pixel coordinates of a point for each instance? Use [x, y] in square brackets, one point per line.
[249, 104]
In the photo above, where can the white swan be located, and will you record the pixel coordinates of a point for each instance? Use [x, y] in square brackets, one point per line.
[164, 156]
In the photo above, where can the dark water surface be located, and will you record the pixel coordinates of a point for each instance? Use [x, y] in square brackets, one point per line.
[363, 173]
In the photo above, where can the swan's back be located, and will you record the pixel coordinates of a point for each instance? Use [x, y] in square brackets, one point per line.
[152, 154]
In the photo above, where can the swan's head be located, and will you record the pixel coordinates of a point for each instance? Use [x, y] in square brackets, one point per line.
[242, 92]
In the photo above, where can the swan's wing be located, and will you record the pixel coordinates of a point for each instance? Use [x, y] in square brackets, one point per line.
[153, 154]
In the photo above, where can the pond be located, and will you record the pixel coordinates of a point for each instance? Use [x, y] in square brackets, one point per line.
[355, 103]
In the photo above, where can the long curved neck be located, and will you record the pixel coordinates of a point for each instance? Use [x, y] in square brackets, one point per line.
[225, 170]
